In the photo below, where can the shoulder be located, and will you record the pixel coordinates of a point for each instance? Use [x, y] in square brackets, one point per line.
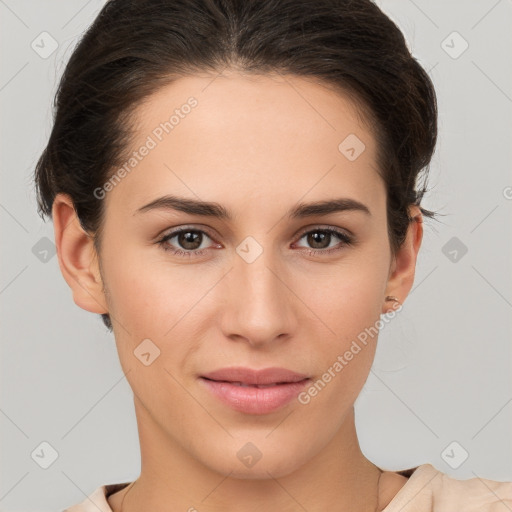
[476, 493]
[96, 501]
[431, 490]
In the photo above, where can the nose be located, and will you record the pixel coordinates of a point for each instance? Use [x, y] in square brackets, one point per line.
[259, 305]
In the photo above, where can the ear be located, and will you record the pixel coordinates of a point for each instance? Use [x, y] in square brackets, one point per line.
[77, 256]
[403, 266]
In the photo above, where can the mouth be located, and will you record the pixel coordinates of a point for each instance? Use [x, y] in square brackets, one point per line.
[255, 392]
[245, 377]
[259, 386]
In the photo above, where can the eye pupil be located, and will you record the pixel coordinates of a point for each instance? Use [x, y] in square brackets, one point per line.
[314, 236]
[185, 238]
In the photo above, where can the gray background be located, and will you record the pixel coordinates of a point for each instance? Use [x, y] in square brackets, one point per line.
[442, 373]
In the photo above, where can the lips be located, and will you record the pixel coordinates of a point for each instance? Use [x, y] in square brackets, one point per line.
[247, 377]
[261, 386]
[239, 388]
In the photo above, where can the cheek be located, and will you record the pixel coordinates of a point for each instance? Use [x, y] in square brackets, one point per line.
[148, 295]
[346, 359]
[348, 303]
[348, 297]
[159, 303]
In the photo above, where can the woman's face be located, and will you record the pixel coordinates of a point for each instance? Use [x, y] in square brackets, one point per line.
[253, 296]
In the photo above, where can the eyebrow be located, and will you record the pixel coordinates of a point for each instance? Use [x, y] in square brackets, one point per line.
[216, 210]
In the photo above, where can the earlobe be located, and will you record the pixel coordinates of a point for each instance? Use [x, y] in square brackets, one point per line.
[77, 257]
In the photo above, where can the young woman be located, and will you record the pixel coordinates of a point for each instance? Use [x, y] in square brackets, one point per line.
[233, 186]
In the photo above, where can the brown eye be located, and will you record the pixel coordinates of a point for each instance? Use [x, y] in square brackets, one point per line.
[319, 240]
[188, 242]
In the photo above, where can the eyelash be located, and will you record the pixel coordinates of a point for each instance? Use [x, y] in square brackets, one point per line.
[345, 239]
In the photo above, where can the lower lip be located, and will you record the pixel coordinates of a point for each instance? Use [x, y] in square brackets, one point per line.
[251, 400]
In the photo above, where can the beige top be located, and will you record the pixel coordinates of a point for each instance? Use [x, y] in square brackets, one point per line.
[427, 490]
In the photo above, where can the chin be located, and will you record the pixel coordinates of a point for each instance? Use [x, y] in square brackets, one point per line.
[249, 463]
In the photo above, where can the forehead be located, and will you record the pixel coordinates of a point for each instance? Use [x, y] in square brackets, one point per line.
[288, 135]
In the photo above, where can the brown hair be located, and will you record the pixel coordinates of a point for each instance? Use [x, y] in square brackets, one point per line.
[134, 47]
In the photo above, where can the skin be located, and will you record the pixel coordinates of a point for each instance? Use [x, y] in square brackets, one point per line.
[256, 145]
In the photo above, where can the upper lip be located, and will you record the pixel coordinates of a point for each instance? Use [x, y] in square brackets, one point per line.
[255, 377]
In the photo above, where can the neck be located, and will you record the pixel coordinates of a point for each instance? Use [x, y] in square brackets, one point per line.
[338, 478]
